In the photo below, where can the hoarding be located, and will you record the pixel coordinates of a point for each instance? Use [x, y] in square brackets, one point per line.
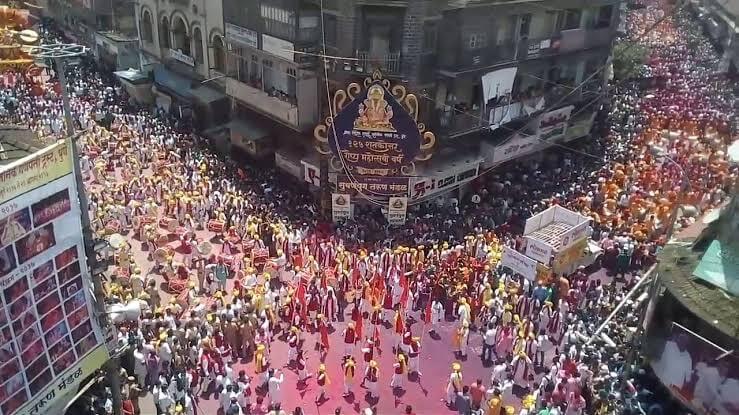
[50, 340]
[700, 374]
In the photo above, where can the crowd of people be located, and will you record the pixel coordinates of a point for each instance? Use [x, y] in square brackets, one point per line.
[224, 266]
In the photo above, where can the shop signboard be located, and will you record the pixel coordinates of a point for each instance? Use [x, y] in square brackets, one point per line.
[373, 186]
[311, 173]
[397, 210]
[428, 186]
[180, 56]
[341, 209]
[553, 124]
[538, 250]
[515, 147]
[241, 36]
[278, 47]
[50, 340]
[519, 263]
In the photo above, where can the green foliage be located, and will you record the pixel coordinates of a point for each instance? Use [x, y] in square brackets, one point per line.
[628, 59]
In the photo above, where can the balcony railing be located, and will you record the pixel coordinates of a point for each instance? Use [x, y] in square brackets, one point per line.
[278, 106]
[461, 120]
[366, 63]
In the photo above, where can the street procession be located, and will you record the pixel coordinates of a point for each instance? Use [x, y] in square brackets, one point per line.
[231, 293]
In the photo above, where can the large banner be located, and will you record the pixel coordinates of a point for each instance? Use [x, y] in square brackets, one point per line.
[373, 186]
[519, 263]
[49, 340]
[700, 374]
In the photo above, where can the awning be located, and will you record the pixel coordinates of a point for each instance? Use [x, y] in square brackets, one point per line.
[248, 130]
[171, 82]
[133, 76]
[207, 95]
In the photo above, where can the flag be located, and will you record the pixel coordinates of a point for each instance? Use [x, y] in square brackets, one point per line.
[427, 312]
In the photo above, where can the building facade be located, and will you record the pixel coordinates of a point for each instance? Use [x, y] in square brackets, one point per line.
[482, 69]
[721, 21]
[182, 42]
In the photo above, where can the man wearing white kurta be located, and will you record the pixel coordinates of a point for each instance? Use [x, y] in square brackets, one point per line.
[275, 388]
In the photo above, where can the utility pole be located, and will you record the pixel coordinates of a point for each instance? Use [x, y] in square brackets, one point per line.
[60, 53]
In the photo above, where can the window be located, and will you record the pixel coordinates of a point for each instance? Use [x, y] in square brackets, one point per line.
[197, 44]
[147, 31]
[219, 54]
[278, 21]
[524, 26]
[476, 41]
[164, 34]
[181, 38]
[329, 29]
[571, 19]
[605, 13]
[430, 30]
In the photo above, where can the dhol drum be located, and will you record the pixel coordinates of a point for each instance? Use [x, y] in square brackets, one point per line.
[215, 226]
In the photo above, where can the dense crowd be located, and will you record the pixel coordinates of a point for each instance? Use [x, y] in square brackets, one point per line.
[237, 263]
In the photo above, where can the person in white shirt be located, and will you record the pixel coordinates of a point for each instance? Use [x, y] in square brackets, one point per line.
[675, 366]
[488, 343]
[275, 387]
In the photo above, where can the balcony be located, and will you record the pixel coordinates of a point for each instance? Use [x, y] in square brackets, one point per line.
[506, 52]
[579, 39]
[389, 63]
[460, 121]
[298, 113]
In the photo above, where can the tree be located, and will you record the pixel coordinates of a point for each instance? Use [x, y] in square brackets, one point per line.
[628, 59]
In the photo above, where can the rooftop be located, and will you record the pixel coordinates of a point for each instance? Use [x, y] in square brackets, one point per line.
[17, 142]
[678, 261]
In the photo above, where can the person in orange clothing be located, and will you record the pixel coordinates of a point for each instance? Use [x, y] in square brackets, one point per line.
[324, 342]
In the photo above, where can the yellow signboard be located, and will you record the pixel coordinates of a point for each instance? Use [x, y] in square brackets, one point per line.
[35, 170]
[70, 380]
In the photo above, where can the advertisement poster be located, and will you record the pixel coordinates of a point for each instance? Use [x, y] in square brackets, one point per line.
[373, 185]
[396, 211]
[553, 124]
[538, 250]
[50, 342]
[375, 134]
[702, 375]
[519, 263]
[341, 207]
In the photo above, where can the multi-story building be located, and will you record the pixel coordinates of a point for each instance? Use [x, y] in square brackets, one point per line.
[448, 52]
[182, 41]
[721, 21]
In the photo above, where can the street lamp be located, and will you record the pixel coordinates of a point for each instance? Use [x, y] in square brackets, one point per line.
[59, 53]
